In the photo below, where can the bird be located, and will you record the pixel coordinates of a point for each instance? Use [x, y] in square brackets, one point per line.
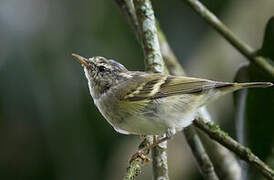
[143, 103]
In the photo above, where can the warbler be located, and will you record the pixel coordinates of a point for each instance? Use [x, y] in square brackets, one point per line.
[142, 103]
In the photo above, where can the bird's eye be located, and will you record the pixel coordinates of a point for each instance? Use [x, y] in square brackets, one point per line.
[102, 68]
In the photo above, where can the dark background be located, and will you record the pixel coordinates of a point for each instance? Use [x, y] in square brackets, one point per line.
[49, 127]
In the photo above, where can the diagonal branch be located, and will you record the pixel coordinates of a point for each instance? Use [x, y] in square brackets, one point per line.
[204, 163]
[220, 27]
[244, 153]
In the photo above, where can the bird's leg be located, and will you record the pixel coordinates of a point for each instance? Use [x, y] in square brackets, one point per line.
[143, 136]
[141, 153]
[154, 139]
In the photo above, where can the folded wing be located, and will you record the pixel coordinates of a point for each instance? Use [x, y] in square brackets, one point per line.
[154, 86]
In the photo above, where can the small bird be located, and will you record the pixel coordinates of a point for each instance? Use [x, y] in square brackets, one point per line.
[143, 103]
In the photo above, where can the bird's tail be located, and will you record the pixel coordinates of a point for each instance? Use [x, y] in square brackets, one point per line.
[252, 85]
[225, 88]
[230, 87]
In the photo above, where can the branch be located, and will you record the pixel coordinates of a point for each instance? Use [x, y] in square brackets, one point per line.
[204, 163]
[134, 168]
[153, 63]
[244, 153]
[159, 163]
[149, 38]
[242, 47]
[225, 163]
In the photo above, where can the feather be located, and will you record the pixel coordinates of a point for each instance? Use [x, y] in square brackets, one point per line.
[154, 86]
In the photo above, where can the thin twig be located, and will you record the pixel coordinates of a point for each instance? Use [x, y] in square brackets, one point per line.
[225, 162]
[204, 163]
[220, 27]
[244, 153]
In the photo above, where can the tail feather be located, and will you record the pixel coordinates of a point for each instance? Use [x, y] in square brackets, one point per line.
[254, 85]
[225, 88]
[230, 87]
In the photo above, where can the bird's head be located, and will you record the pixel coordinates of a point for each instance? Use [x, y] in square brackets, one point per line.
[101, 73]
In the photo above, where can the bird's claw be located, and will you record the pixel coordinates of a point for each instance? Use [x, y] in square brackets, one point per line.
[142, 136]
[139, 154]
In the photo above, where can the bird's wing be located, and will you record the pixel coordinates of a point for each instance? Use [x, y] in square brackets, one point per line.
[154, 86]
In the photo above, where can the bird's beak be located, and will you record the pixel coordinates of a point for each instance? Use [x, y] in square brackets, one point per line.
[81, 59]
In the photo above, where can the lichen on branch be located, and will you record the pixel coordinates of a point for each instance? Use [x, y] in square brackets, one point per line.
[149, 37]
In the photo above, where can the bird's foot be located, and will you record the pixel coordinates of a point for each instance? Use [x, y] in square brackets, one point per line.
[142, 136]
[139, 154]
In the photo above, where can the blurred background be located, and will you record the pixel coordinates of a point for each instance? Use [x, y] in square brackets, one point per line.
[49, 127]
